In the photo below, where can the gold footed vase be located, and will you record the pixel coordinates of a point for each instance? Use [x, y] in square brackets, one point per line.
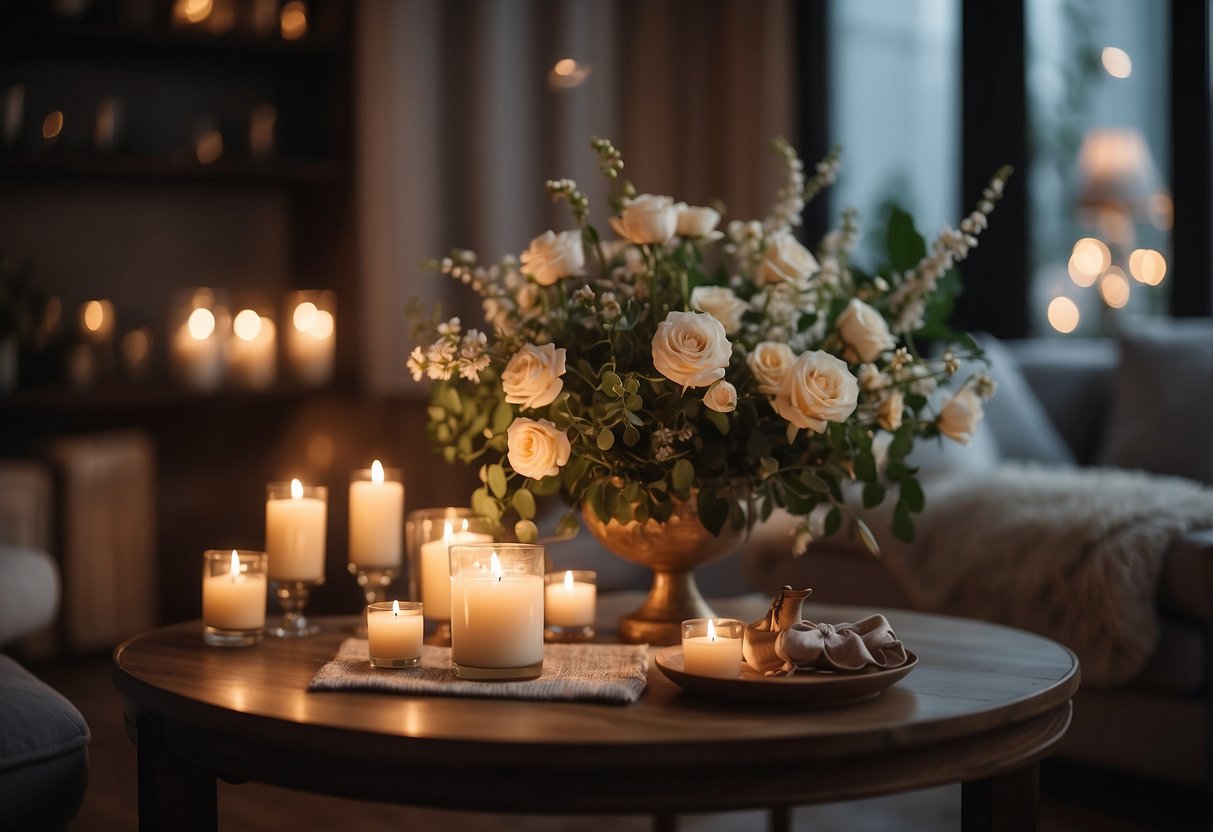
[671, 550]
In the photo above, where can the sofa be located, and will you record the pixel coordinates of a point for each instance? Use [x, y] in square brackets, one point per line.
[1142, 401]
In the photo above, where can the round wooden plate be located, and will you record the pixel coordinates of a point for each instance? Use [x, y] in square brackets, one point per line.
[816, 687]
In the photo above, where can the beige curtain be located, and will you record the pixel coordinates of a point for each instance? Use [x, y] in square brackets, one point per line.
[459, 128]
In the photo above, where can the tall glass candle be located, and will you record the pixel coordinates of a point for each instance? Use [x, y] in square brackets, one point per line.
[497, 610]
[252, 357]
[198, 326]
[429, 534]
[376, 517]
[295, 528]
[311, 337]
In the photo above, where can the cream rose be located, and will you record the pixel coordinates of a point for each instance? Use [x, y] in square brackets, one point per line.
[696, 220]
[770, 362]
[787, 261]
[959, 418]
[722, 304]
[864, 332]
[552, 256]
[889, 411]
[818, 389]
[532, 378]
[691, 349]
[721, 397]
[537, 449]
[647, 219]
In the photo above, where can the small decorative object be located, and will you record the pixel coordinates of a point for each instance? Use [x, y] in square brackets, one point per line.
[679, 383]
[311, 344]
[782, 641]
[497, 610]
[136, 348]
[197, 329]
[376, 529]
[712, 647]
[252, 350]
[569, 605]
[393, 633]
[295, 528]
[233, 597]
[429, 534]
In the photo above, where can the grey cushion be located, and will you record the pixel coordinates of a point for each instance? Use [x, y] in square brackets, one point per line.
[1021, 427]
[43, 752]
[1161, 410]
[29, 591]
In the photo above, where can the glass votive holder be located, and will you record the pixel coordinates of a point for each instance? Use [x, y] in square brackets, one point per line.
[428, 534]
[393, 633]
[198, 326]
[497, 610]
[310, 330]
[712, 647]
[233, 597]
[251, 352]
[570, 603]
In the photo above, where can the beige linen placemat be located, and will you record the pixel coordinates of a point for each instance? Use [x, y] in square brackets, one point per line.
[613, 673]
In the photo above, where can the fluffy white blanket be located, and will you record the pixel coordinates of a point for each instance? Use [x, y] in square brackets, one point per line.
[1073, 554]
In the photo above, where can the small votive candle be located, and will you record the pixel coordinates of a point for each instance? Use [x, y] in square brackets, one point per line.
[497, 610]
[569, 605]
[233, 597]
[393, 633]
[712, 647]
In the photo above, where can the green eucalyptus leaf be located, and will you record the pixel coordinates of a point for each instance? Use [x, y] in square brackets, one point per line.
[769, 466]
[631, 436]
[484, 505]
[546, 487]
[568, 526]
[605, 439]
[713, 511]
[906, 246]
[873, 494]
[813, 482]
[524, 504]
[503, 415]
[903, 525]
[911, 494]
[526, 531]
[833, 521]
[435, 412]
[496, 480]
[718, 420]
[683, 475]
[865, 467]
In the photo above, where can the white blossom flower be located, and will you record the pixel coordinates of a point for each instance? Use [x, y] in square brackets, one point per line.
[532, 378]
[722, 304]
[691, 349]
[818, 389]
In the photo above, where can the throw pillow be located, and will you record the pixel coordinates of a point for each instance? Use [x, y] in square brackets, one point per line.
[1162, 400]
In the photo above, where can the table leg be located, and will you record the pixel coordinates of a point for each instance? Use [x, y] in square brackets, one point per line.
[1007, 802]
[174, 793]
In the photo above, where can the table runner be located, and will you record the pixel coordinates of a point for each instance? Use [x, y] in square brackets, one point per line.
[612, 673]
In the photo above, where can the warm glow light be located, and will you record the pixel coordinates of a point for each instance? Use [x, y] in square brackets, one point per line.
[201, 324]
[209, 146]
[565, 66]
[52, 125]
[1161, 211]
[1088, 261]
[1114, 288]
[377, 472]
[1117, 62]
[193, 11]
[322, 326]
[495, 566]
[567, 73]
[305, 316]
[711, 630]
[568, 580]
[293, 20]
[395, 607]
[235, 565]
[1148, 266]
[1063, 315]
[94, 315]
[247, 325]
[296, 490]
[135, 346]
[447, 533]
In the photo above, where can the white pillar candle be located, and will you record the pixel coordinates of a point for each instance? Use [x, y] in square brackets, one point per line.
[569, 603]
[197, 355]
[394, 635]
[435, 565]
[714, 654]
[235, 601]
[376, 520]
[497, 619]
[311, 343]
[252, 351]
[294, 537]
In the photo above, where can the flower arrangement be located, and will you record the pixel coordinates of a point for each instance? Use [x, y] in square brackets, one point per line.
[736, 368]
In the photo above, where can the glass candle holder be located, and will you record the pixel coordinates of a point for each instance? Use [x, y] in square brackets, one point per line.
[429, 533]
[376, 528]
[251, 352]
[295, 528]
[233, 597]
[712, 647]
[198, 326]
[393, 633]
[310, 331]
[497, 610]
[570, 601]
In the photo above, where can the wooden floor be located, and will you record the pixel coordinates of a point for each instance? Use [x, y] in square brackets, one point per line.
[1071, 800]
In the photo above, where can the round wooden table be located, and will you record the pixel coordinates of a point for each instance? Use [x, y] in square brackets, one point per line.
[983, 706]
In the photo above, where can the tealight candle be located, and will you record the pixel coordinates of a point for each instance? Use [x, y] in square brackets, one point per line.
[393, 633]
[569, 605]
[497, 610]
[712, 647]
[233, 597]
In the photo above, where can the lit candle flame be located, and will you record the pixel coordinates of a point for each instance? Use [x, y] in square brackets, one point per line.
[296, 490]
[235, 565]
[568, 581]
[377, 472]
[395, 607]
[711, 631]
[495, 566]
[447, 534]
[201, 324]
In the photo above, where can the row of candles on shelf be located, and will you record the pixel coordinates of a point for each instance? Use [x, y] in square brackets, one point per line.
[208, 345]
[493, 602]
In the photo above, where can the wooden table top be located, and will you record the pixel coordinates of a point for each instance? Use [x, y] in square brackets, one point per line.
[982, 699]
